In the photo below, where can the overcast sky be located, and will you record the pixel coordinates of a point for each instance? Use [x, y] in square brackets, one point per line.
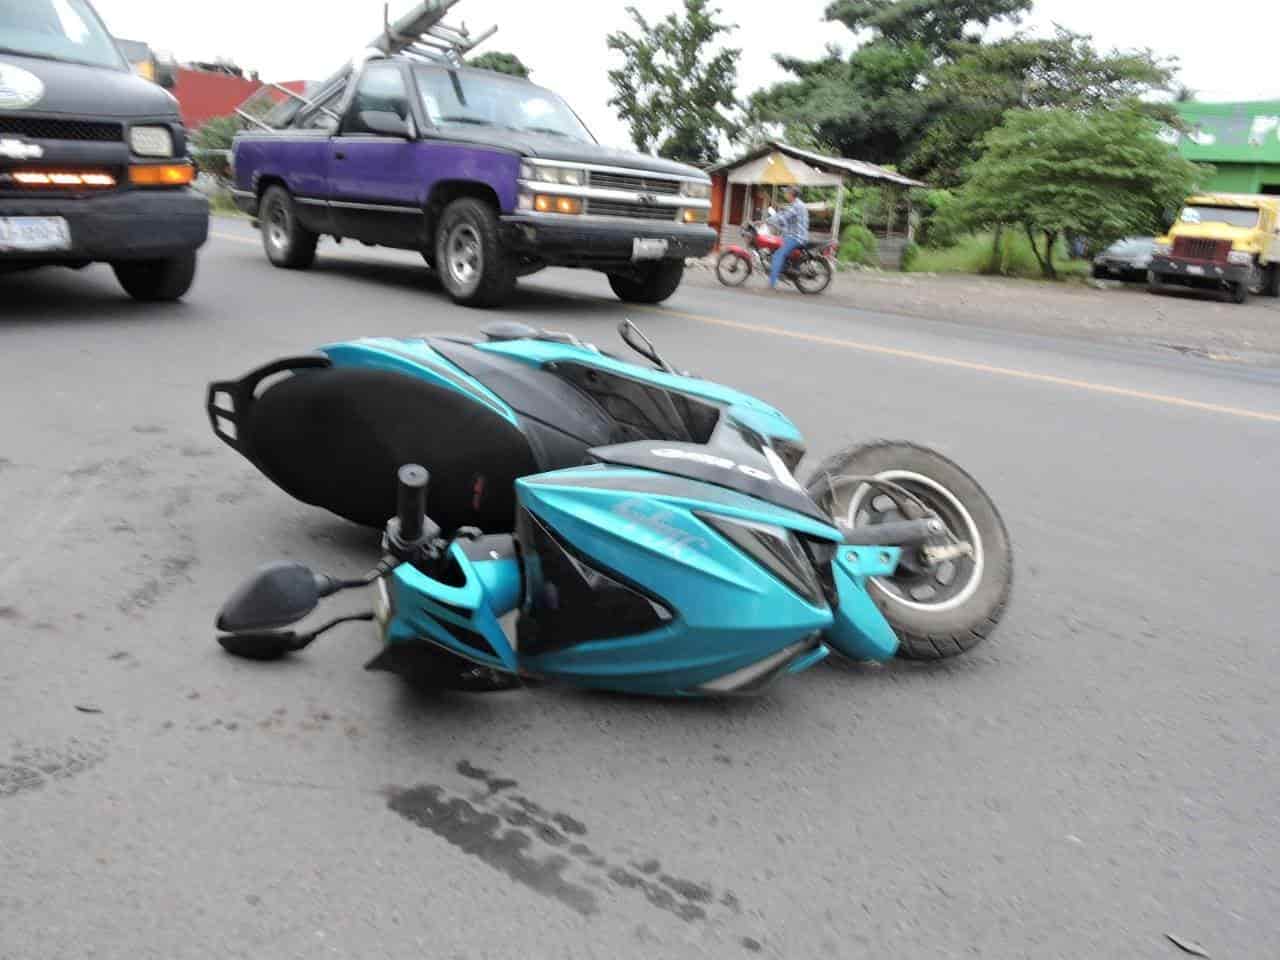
[1229, 58]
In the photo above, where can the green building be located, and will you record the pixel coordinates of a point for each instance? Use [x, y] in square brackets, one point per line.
[1240, 140]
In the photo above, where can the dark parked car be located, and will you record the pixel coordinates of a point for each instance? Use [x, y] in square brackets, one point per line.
[1126, 259]
[93, 163]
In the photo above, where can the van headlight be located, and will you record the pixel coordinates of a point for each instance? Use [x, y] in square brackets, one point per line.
[151, 141]
[1241, 258]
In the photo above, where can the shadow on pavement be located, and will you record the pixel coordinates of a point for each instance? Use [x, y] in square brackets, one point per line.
[409, 276]
[60, 295]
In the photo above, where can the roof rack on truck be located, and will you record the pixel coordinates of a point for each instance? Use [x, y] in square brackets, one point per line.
[420, 33]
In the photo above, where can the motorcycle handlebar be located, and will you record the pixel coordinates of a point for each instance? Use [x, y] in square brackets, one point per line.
[411, 501]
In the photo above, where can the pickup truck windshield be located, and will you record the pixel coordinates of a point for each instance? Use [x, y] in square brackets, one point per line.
[451, 96]
[57, 30]
[1231, 216]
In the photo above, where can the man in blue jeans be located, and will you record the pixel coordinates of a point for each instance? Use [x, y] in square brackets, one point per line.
[793, 221]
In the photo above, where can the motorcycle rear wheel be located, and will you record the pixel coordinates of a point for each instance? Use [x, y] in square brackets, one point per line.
[938, 611]
[812, 276]
[732, 269]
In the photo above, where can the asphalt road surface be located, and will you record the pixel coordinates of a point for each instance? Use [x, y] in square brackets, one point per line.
[1103, 773]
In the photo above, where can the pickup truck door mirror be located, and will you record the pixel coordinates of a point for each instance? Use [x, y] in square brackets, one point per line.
[386, 123]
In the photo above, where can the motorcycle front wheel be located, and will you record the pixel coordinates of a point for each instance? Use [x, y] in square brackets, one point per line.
[732, 269]
[813, 275]
[941, 609]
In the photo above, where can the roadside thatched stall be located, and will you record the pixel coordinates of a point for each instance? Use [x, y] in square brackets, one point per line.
[743, 189]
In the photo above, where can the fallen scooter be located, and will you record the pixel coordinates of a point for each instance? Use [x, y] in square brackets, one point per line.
[688, 561]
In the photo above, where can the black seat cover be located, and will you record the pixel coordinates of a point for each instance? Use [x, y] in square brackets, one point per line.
[335, 438]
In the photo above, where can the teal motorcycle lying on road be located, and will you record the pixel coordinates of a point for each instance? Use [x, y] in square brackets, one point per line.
[601, 524]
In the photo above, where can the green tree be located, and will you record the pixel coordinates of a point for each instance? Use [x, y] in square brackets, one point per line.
[969, 94]
[500, 62]
[869, 104]
[674, 93]
[933, 24]
[209, 143]
[1100, 173]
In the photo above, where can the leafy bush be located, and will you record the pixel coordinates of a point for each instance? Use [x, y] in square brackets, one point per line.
[858, 245]
[937, 226]
[978, 253]
[910, 253]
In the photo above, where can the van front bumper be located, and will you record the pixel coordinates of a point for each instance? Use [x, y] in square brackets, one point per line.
[121, 225]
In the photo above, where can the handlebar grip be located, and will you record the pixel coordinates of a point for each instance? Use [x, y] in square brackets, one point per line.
[411, 500]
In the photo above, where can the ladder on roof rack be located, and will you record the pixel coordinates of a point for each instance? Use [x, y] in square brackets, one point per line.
[421, 33]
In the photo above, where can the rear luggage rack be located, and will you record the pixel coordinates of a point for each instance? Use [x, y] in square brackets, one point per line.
[241, 395]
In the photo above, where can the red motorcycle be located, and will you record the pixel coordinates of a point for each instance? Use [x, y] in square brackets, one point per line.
[808, 267]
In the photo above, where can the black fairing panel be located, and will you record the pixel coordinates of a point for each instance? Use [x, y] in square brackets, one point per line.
[538, 397]
[642, 410]
[720, 462]
[335, 438]
[569, 600]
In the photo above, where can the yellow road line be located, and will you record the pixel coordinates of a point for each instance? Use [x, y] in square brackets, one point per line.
[234, 239]
[932, 358]
[936, 360]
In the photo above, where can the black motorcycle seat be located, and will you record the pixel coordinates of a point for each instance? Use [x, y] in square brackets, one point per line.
[335, 438]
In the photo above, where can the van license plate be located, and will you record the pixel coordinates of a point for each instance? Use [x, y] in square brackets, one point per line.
[34, 234]
[648, 249]
[1195, 270]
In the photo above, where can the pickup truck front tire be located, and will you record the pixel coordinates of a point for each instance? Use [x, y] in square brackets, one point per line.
[473, 265]
[653, 284]
[287, 242]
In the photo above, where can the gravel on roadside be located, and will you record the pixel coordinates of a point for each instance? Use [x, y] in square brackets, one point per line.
[1198, 324]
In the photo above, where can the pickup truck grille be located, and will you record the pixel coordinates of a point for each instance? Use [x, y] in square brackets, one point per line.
[626, 181]
[632, 211]
[1197, 248]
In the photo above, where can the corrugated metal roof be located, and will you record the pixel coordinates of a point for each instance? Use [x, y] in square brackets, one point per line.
[857, 168]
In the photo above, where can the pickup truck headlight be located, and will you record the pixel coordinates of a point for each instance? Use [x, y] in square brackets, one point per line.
[541, 173]
[1162, 250]
[695, 190]
[1241, 258]
[151, 141]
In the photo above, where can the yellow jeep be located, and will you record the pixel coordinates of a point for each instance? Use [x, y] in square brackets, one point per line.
[1222, 241]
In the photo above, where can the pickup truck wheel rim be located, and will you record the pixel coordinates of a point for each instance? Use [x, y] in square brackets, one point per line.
[278, 226]
[464, 256]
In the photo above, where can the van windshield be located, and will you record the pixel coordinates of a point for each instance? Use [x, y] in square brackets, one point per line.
[1231, 216]
[472, 97]
[57, 30]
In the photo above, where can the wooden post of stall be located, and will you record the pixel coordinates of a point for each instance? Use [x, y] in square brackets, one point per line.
[835, 219]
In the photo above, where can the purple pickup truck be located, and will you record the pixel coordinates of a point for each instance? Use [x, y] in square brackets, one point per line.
[489, 176]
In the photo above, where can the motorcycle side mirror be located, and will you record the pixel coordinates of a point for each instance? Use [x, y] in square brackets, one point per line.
[260, 646]
[277, 595]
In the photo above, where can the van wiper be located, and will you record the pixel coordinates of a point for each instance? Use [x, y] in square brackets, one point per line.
[547, 130]
[476, 120]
